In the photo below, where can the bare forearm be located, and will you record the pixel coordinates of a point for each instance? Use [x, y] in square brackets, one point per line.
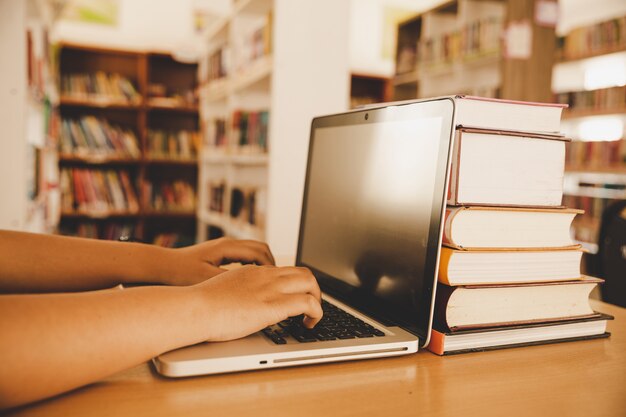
[40, 263]
[59, 342]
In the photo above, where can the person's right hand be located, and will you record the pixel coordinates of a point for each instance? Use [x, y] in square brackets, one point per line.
[246, 300]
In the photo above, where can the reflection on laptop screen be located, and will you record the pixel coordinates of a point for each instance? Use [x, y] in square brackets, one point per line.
[368, 208]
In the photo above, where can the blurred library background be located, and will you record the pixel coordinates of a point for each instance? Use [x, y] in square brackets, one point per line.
[176, 122]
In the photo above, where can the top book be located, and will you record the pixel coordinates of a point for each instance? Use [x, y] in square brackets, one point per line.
[491, 113]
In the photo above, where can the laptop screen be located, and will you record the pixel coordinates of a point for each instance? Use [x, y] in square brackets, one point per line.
[372, 209]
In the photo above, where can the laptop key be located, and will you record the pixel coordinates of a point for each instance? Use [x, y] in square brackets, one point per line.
[336, 324]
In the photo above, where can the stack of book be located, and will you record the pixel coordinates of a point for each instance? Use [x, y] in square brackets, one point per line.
[97, 191]
[182, 144]
[509, 273]
[92, 136]
[99, 86]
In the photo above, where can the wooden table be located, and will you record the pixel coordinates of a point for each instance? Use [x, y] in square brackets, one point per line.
[586, 378]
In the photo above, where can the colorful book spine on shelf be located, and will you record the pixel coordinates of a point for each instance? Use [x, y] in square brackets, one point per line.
[477, 39]
[170, 196]
[601, 99]
[595, 154]
[90, 135]
[182, 144]
[99, 85]
[215, 133]
[599, 38]
[249, 130]
[97, 191]
[217, 193]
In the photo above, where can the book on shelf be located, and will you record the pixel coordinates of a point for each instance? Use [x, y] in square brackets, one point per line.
[182, 144]
[500, 266]
[256, 44]
[216, 67]
[506, 227]
[245, 205]
[613, 98]
[443, 342]
[97, 191]
[92, 136]
[508, 115]
[215, 136]
[217, 192]
[582, 155]
[481, 306]
[99, 86]
[107, 231]
[249, 131]
[160, 95]
[475, 40]
[598, 38]
[174, 196]
[507, 168]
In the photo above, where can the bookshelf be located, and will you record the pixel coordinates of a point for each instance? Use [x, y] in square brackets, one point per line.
[28, 97]
[128, 145]
[588, 75]
[268, 67]
[368, 89]
[460, 47]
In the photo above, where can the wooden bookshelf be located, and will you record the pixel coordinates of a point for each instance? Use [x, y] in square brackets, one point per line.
[167, 92]
[368, 89]
[431, 59]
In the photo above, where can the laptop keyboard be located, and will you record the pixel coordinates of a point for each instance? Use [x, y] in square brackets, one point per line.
[336, 324]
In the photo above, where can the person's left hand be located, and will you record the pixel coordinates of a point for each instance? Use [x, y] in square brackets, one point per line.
[200, 262]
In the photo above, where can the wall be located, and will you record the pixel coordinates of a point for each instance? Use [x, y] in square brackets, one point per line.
[13, 84]
[161, 25]
[310, 78]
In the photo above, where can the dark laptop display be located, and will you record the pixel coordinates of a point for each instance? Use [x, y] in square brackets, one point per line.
[372, 209]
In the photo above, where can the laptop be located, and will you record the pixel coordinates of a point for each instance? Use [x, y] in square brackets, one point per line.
[370, 231]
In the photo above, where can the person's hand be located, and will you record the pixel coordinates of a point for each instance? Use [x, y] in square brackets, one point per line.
[245, 300]
[200, 262]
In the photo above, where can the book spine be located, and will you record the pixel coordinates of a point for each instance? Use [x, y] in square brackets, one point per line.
[437, 342]
[453, 183]
[450, 214]
[444, 262]
[440, 313]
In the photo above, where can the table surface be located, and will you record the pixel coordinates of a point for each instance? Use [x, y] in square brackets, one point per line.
[585, 378]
